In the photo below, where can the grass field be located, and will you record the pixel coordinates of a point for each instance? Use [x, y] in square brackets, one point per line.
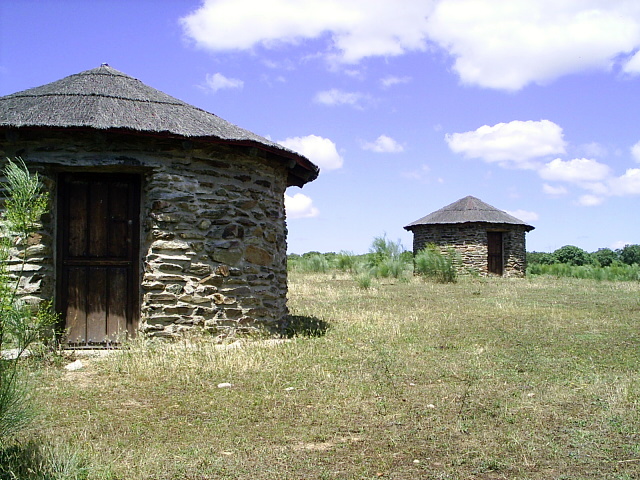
[481, 379]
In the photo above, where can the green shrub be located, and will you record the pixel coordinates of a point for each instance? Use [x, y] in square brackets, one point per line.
[542, 258]
[364, 280]
[431, 263]
[346, 261]
[383, 249]
[20, 326]
[630, 254]
[604, 257]
[316, 263]
[572, 255]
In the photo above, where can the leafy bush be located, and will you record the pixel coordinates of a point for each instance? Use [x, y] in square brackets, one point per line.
[572, 255]
[630, 254]
[542, 258]
[431, 263]
[604, 257]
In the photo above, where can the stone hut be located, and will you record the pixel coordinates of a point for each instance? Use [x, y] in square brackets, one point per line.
[488, 240]
[164, 218]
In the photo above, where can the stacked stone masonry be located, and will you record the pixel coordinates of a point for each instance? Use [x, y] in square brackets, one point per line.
[469, 240]
[213, 235]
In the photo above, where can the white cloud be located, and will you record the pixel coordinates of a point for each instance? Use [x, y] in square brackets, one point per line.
[319, 150]
[579, 170]
[383, 144]
[391, 80]
[299, 206]
[355, 29]
[524, 215]
[554, 191]
[514, 144]
[635, 151]
[507, 45]
[336, 97]
[217, 81]
[626, 184]
[632, 66]
[590, 200]
[502, 45]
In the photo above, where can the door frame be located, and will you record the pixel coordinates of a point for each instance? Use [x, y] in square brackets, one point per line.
[61, 242]
[492, 236]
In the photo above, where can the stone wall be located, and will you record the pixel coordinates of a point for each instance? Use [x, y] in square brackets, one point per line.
[213, 231]
[470, 242]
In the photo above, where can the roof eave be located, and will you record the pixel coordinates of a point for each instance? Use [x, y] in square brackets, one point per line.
[301, 170]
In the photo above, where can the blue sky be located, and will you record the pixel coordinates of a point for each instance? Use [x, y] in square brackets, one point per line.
[407, 106]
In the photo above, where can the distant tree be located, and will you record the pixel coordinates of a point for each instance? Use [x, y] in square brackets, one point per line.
[604, 257]
[541, 258]
[572, 255]
[630, 254]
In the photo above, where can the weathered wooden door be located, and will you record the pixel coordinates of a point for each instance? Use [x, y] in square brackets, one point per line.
[495, 252]
[98, 237]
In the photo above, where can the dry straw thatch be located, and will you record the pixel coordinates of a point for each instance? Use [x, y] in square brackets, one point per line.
[468, 210]
[105, 99]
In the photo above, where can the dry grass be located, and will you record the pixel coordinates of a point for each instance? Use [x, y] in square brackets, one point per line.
[485, 379]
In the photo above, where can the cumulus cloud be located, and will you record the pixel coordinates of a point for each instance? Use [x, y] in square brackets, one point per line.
[626, 184]
[590, 200]
[354, 29]
[299, 206]
[491, 44]
[578, 170]
[217, 81]
[383, 144]
[391, 80]
[533, 41]
[515, 144]
[319, 150]
[554, 191]
[337, 97]
[632, 66]
[635, 152]
[524, 215]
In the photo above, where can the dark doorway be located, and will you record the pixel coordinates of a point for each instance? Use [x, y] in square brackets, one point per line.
[98, 242]
[494, 247]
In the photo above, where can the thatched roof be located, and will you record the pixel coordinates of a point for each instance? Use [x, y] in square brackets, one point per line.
[468, 210]
[105, 99]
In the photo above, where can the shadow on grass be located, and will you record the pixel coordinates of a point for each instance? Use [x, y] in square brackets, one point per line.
[303, 326]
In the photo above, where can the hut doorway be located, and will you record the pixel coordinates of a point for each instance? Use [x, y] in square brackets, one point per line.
[495, 253]
[98, 245]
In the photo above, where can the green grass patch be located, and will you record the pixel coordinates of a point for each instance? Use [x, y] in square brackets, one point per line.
[484, 378]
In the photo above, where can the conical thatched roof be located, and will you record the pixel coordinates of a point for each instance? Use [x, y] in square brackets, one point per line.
[105, 99]
[468, 210]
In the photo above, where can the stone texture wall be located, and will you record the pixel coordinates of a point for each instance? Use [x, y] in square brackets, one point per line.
[470, 241]
[213, 231]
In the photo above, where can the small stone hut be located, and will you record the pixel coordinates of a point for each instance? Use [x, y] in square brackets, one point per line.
[487, 240]
[164, 218]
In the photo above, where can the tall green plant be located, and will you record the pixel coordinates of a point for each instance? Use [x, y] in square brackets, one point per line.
[20, 326]
[431, 263]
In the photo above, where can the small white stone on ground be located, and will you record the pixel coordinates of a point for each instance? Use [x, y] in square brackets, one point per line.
[225, 385]
[77, 365]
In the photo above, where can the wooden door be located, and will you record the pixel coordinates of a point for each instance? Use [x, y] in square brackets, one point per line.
[98, 237]
[495, 252]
